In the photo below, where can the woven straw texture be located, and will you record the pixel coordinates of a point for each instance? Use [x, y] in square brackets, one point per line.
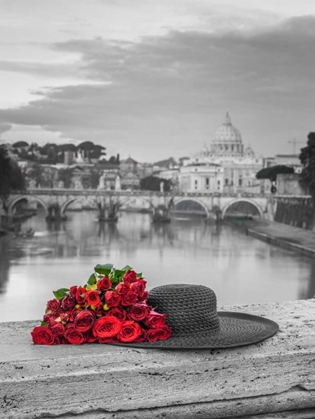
[192, 315]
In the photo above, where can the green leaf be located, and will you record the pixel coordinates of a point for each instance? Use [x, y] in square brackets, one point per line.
[126, 268]
[118, 274]
[103, 268]
[43, 324]
[61, 293]
[139, 275]
[92, 279]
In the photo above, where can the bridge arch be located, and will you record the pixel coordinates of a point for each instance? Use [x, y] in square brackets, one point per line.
[15, 200]
[196, 200]
[131, 199]
[243, 200]
[71, 200]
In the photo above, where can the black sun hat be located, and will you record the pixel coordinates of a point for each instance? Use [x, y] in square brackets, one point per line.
[192, 315]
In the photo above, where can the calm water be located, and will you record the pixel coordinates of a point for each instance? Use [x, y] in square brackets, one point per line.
[240, 269]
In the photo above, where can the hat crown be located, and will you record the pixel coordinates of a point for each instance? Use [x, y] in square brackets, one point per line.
[190, 309]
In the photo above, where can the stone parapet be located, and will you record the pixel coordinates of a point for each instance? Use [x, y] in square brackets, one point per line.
[271, 379]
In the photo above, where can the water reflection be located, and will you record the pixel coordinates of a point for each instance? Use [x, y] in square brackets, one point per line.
[239, 268]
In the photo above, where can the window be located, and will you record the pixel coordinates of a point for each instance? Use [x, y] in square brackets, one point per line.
[196, 184]
[240, 182]
[226, 181]
[207, 183]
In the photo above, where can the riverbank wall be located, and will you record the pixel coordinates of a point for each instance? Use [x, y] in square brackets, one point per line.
[278, 234]
[271, 379]
[294, 211]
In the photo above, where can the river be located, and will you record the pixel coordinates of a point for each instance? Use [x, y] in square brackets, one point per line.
[240, 269]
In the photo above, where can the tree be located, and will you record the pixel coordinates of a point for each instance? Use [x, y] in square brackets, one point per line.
[152, 183]
[11, 177]
[307, 158]
[272, 171]
[65, 175]
[35, 173]
[307, 176]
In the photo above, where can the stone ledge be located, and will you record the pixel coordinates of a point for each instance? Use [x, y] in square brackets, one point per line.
[274, 379]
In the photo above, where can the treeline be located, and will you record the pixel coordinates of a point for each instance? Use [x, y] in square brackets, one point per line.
[52, 153]
[11, 177]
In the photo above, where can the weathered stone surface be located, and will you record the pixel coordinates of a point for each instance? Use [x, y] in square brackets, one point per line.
[102, 381]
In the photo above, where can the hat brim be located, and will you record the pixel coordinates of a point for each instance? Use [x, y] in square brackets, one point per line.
[236, 329]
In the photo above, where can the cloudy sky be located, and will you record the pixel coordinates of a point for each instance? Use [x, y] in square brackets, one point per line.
[154, 79]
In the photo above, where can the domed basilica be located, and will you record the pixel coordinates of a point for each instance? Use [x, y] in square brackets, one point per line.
[225, 166]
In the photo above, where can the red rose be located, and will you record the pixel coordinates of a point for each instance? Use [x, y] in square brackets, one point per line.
[58, 329]
[106, 327]
[68, 303]
[104, 284]
[53, 305]
[74, 313]
[73, 291]
[51, 321]
[47, 317]
[142, 337]
[155, 320]
[89, 337]
[74, 336]
[130, 276]
[92, 297]
[161, 333]
[144, 297]
[139, 311]
[118, 313]
[112, 298]
[84, 321]
[138, 287]
[129, 299]
[56, 339]
[99, 310]
[80, 295]
[63, 340]
[129, 332]
[122, 288]
[64, 317]
[42, 335]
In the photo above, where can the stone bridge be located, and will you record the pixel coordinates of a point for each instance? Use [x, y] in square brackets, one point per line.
[58, 200]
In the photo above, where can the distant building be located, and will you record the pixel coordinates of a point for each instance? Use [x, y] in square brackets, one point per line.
[128, 165]
[68, 157]
[130, 180]
[108, 179]
[239, 164]
[289, 160]
[144, 169]
[201, 177]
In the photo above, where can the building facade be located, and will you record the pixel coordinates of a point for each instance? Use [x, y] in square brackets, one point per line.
[228, 165]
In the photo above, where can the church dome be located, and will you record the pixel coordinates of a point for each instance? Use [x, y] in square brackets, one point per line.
[227, 133]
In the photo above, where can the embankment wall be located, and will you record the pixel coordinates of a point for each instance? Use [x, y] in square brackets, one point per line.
[271, 379]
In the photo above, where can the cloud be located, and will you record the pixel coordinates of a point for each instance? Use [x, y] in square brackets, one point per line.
[5, 127]
[172, 91]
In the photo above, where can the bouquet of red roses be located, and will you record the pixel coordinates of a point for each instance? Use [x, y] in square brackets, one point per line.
[110, 308]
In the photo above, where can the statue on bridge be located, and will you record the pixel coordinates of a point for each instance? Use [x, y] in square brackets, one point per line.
[54, 213]
[108, 212]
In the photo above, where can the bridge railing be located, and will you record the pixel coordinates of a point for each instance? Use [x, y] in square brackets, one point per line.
[134, 193]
